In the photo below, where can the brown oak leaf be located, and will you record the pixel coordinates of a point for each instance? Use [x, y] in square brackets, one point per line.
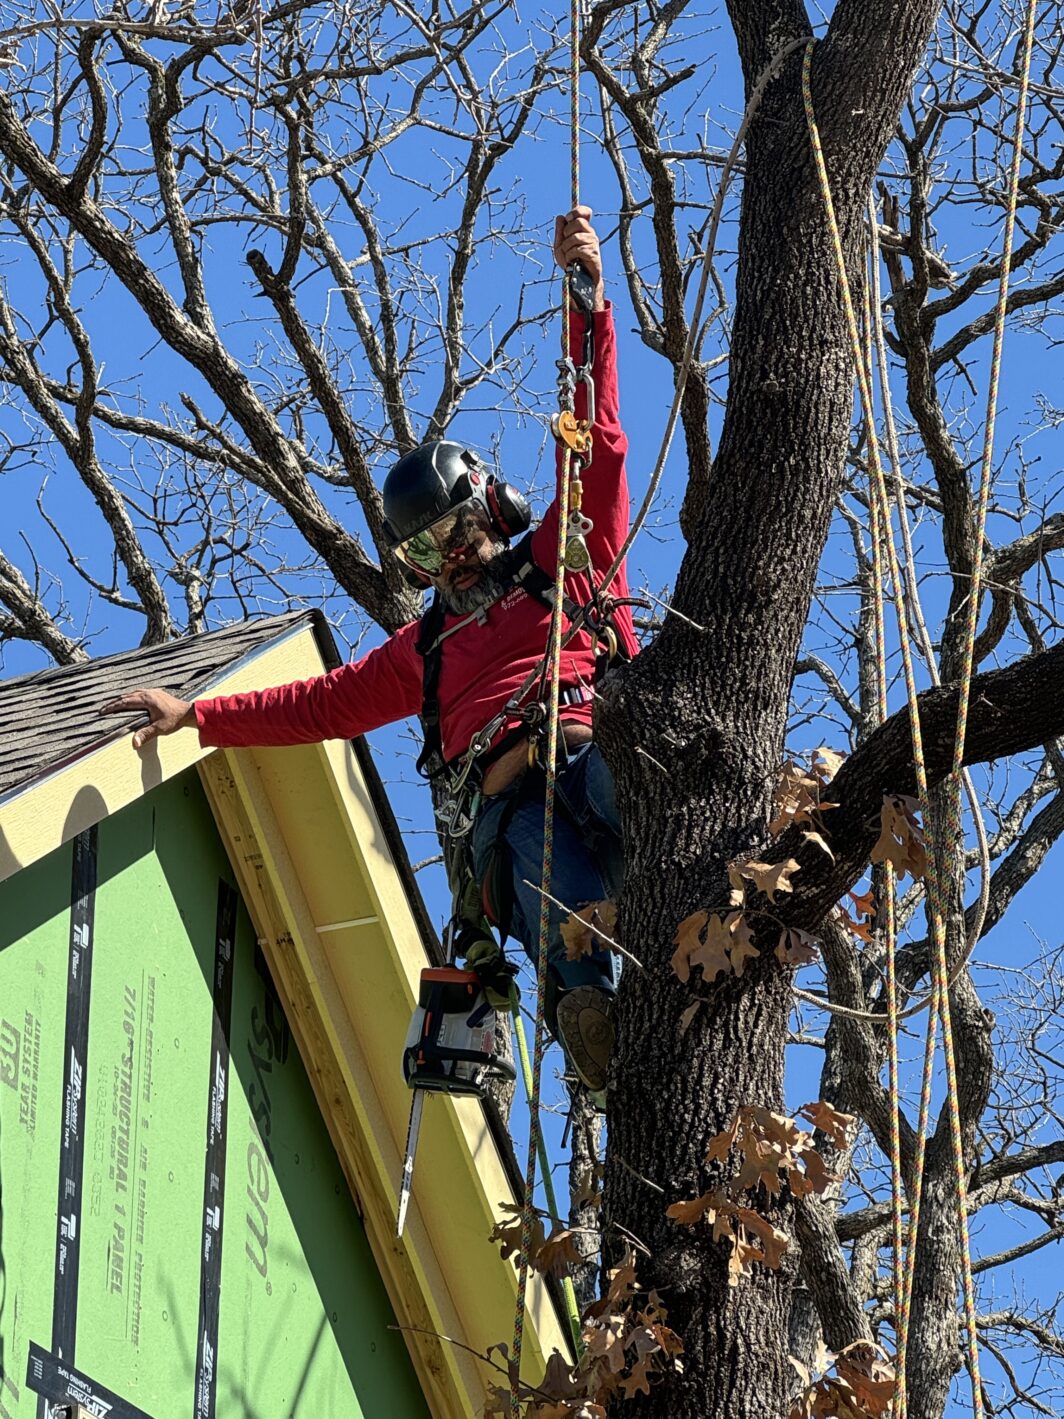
[774, 1243]
[817, 838]
[558, 1252]
[577, 931]
[622, 1282]
[827, 762]
[901, 838]
[636, 1381]
[688, 939]
[741, 948]
[831, 1121]
[796, 948]
[721, 1144]
[712, 953]
[771, 877]
[688, 1213]
[864, 903]
[605, 1339]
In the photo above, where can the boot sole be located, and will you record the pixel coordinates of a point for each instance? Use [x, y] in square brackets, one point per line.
[585, 1032]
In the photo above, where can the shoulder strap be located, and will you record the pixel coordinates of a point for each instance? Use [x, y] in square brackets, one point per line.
[429, 646]
[526, 573]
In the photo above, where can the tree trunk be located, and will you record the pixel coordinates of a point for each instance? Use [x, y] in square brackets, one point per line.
[710, 705]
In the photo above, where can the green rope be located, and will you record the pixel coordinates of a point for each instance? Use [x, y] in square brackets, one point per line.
[568, 1292]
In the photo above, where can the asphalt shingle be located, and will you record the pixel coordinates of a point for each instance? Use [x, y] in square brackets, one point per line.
[52, 716]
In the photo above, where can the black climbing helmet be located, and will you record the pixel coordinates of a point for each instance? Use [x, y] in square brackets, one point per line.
[429, 482]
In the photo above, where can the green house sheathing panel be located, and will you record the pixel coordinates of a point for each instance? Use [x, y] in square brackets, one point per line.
[147, 1275]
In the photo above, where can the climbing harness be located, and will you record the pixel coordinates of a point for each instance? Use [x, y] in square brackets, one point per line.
[450, 1049]
[943, 981]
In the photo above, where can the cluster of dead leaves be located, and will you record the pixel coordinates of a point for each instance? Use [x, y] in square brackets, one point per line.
[772, 1149]
[862, 1386]
[901, 838]
[721, 945]
[589, 929]
[721, 942]
[750, 1237]
[626, 1344]
[798, 798]
[549, 1255]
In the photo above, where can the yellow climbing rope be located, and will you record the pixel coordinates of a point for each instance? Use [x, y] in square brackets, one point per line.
[903, 1277]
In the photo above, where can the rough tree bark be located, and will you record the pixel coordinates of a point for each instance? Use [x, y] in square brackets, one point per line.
[710, 705]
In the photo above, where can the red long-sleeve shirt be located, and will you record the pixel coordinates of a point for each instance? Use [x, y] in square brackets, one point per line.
[484, 662]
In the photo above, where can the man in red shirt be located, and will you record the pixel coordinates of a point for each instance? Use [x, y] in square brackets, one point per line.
[451, 521]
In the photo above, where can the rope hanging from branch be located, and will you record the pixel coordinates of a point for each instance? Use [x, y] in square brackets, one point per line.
[553, 669]
[903, 1276]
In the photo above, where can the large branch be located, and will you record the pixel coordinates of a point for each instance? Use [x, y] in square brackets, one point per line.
[30, 619]
[1013, 709]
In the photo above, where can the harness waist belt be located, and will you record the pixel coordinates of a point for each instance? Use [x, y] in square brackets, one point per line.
[569, 696]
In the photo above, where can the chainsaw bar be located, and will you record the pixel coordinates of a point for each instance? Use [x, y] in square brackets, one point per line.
[417, 1103]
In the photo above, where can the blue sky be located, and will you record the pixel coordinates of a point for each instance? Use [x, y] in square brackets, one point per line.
[412, 200]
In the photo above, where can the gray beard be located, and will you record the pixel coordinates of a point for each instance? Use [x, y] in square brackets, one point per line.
[493, 582]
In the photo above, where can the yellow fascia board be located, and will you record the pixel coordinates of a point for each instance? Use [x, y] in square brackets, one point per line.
[348, 945]
[55, 808]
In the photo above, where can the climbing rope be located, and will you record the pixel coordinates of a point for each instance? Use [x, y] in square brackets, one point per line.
[878, 495]
[954, 826]
[935, 905]
[888, 914]
[540, 1035]
[554, 661]
[568, 1291]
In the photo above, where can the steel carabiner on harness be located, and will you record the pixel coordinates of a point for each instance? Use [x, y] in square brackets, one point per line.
[458, 810]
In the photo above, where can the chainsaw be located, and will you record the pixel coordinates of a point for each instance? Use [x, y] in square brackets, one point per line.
[450, 1049]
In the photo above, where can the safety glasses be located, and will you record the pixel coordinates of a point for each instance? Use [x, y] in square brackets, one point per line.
[427, 550]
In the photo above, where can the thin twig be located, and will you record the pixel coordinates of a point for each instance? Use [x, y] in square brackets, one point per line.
[613, 945]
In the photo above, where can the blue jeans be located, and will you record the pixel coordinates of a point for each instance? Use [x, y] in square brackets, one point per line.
[588, 861]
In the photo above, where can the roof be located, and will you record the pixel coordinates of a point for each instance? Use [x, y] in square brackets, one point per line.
[322, 867]
[50, 717]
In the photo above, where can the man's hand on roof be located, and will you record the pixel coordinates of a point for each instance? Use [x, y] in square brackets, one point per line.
[166, 712]
[575, 239]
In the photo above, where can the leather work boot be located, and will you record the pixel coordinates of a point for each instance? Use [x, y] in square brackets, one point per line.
[585, 1033]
